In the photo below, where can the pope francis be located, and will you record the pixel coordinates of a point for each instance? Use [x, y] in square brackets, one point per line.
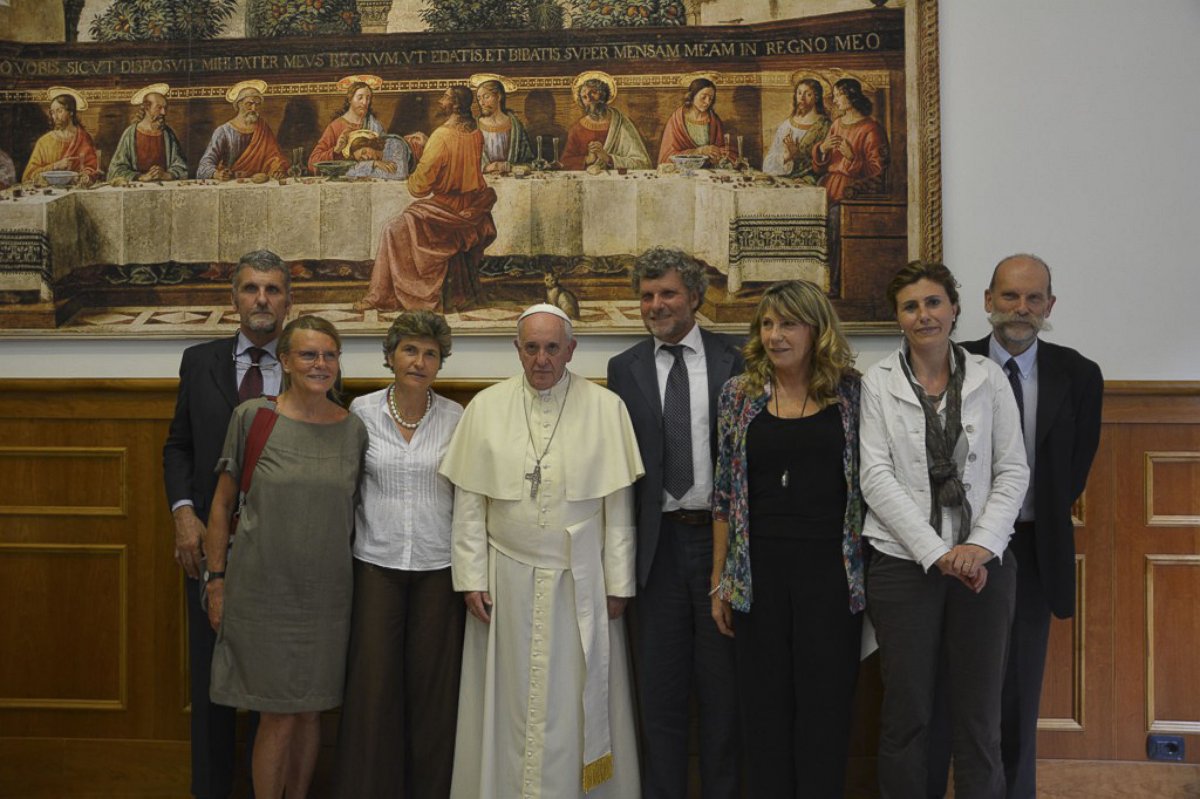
[543, 547]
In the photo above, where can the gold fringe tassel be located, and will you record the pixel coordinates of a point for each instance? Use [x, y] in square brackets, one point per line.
[597, 772]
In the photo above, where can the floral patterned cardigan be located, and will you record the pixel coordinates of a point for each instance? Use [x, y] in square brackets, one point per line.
[735, 411]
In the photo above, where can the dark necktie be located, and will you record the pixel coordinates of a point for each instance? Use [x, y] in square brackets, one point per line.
[1014, 380]
[252, 381]
[677, 427]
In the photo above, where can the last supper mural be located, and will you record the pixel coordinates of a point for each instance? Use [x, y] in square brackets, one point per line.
[470, 157]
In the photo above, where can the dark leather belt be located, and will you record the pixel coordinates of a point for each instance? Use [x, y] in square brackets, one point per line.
[693, 518]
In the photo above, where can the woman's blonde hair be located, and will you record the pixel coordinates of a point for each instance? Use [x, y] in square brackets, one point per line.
[803, 302]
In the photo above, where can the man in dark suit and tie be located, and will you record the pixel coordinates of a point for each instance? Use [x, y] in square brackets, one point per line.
[213, 379]
[1059, 393]
[670, 383]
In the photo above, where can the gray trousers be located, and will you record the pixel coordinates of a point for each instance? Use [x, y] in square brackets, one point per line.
[1021, 697]
[921, 621]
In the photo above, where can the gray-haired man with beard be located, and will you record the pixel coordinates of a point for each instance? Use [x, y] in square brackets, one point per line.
[245, 145]
[1059, 393]
[149, 149]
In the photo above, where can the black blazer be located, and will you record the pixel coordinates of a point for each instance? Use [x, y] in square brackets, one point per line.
[633, 376]
[1070, 391]
[207, 396]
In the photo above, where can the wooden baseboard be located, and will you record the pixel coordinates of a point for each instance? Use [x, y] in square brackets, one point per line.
[39, 768]
[1117, 779]
[1114, 779]
[1073, 779]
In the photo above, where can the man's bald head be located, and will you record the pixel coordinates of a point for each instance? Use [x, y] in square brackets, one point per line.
[1018, 301]
[1023, 259]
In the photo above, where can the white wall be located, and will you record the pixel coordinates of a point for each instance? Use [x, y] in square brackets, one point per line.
[1069, 129]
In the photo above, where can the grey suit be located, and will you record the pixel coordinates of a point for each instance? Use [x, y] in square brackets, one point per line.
[675, 639]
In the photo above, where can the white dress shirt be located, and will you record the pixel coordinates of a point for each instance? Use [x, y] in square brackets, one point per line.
[699, 496]
[404, 512]
[1028, 369]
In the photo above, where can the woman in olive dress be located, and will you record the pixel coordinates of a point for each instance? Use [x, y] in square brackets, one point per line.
[281, 603]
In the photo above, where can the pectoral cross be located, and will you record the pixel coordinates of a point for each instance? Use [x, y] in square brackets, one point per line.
[535, 480]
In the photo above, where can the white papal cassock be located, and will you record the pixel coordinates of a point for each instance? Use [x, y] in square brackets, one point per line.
[545, 707]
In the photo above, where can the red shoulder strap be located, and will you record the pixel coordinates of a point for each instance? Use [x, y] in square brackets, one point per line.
[260, 431]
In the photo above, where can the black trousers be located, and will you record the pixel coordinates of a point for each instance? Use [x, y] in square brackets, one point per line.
[213, 726]
[932, 629]
[797, 658]
[400, 710]
[678, 649]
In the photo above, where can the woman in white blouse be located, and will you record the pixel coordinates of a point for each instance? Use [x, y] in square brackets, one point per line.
[401, 702]
[943, 473]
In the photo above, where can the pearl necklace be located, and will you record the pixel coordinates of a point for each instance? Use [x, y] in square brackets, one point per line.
[391, 398]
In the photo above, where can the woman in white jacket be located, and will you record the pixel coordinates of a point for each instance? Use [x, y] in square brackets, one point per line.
[943, 473]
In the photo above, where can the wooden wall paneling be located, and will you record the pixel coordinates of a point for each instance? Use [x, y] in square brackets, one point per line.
[1172, 616]
[1128, 652]
[1075, 719]
[1157, 576]
[33, 478]
[68, 607]
[85, 460]
[1063, 707]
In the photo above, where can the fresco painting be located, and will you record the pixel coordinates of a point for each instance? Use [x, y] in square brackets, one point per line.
[503, 154]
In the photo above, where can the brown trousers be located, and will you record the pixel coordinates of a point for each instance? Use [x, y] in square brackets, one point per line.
[396, 737]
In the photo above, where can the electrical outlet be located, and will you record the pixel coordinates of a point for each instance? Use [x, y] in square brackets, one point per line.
[1164, 747]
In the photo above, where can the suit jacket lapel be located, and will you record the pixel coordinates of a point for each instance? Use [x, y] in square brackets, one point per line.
[645, 374]
[719, 360]
[1052, 390]
[224, 372]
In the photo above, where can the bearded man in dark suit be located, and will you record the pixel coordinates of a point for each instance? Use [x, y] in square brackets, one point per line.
[213, 379]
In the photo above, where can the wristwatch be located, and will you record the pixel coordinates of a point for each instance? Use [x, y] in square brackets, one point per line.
[210, 576]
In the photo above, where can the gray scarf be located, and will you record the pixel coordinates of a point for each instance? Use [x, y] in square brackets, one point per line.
[945, 483]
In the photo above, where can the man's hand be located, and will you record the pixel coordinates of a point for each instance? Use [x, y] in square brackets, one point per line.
[216, 602]
[386, 166]
[479, 605]
[222, 173]
[155, 172]
[597, 154]
[189, 533]
[616, 606]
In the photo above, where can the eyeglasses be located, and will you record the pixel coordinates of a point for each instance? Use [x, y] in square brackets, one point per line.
[310, 357]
